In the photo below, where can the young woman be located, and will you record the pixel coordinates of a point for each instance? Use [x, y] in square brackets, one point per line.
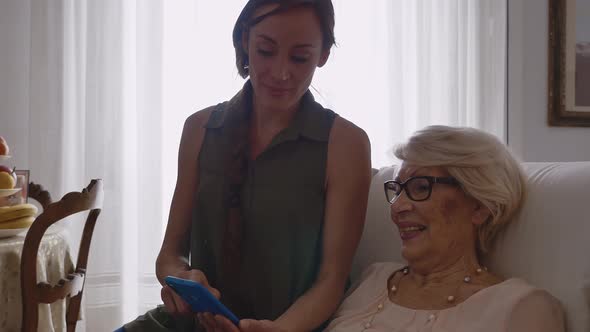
[272, 188]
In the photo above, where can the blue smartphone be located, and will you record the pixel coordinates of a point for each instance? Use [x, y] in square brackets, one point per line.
[199, 298]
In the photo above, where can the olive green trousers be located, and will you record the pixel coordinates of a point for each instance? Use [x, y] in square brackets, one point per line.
[159, 320]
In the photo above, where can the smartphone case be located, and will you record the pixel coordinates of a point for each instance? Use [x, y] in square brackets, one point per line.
[199, 297]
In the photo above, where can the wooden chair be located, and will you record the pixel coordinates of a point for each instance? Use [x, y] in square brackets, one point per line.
[38, 193]
[33, 293]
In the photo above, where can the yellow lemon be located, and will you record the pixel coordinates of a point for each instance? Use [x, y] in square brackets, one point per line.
[6, 181]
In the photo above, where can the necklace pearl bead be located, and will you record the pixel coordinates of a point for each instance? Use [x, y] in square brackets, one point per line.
[450, 299]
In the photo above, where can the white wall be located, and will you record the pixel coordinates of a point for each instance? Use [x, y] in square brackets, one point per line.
[528, 132]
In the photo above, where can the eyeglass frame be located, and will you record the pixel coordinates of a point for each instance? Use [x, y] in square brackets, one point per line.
[431, 181]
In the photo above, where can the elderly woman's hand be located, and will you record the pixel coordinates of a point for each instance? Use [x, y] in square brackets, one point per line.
[220, 323]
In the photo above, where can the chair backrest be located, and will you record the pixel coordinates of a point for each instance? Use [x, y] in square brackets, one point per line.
[33, 293]
[548, 244]
[38, 193]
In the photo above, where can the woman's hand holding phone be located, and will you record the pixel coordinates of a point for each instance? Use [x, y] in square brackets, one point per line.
[174, 304]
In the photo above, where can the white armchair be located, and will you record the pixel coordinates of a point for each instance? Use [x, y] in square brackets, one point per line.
[548, 245]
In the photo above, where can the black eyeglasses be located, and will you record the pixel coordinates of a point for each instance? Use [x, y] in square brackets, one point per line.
[418, 188]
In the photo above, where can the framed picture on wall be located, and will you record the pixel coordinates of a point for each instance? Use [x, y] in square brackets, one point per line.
[569, 63]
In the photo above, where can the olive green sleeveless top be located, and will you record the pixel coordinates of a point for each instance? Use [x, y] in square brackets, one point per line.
[283, 203]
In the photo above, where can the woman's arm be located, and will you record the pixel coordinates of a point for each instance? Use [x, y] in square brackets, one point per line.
[173, 256]
[347, 187]
[175, 247]
[538, 312]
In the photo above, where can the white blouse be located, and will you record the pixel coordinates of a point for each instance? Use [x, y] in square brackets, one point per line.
[512, 305]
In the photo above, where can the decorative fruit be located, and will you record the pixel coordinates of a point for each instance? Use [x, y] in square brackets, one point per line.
[4, 150]
[8, 170]
[6, 181]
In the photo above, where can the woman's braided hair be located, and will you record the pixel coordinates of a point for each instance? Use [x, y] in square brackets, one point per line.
[240, 126]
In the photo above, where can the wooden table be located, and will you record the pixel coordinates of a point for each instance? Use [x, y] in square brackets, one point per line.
[53, 262]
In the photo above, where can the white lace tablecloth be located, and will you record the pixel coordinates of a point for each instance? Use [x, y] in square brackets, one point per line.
[53, 263]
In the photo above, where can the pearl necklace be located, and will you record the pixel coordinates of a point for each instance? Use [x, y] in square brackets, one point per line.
[394, 288]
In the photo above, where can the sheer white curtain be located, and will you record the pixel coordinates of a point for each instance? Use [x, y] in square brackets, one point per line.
[113, 129]
[405, 64]
[131, 71]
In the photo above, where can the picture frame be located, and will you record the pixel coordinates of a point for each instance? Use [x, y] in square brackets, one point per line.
[23, 178]
[569, 63]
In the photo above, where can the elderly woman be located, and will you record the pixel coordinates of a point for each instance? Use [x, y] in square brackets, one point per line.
[456, 190]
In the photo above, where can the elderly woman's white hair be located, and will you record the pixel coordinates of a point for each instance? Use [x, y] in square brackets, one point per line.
[483, 165]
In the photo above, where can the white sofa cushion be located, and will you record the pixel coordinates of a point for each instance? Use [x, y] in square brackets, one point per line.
[547, 245]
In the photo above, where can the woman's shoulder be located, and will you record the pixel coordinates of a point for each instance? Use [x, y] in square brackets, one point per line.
[510, 305]
[532, 308]
[205, 116]
[518, 287]
[344, 128]
[510, 290]
[215, 116]
[348, 144]
[531, 298]
[514, 298]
